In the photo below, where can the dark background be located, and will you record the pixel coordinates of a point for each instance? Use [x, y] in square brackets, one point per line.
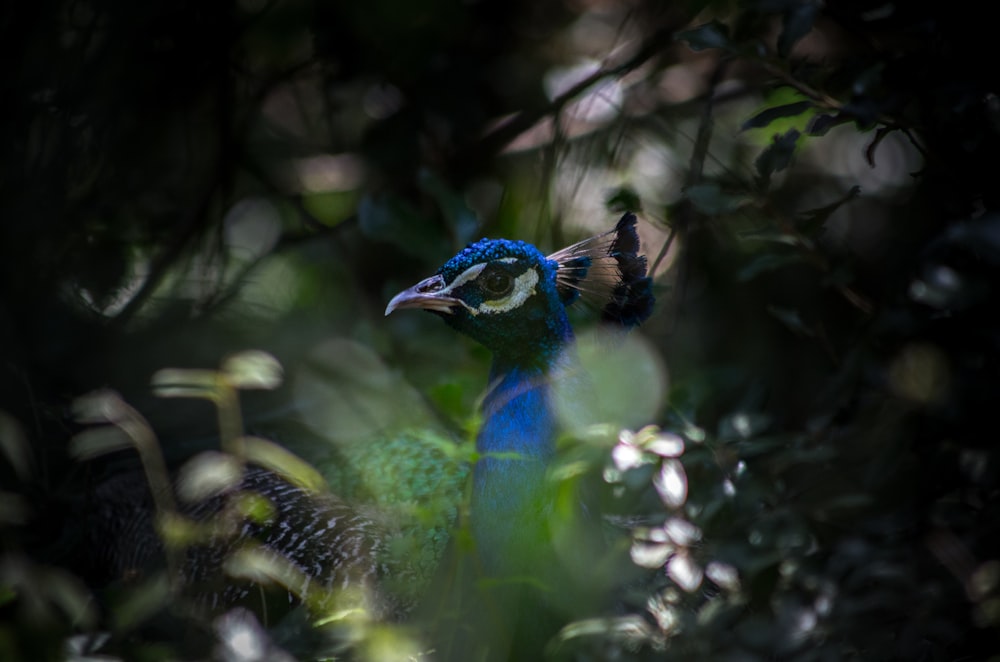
[818, 194]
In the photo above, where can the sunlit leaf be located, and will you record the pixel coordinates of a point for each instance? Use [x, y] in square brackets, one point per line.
[646, 554]
[671, 483]
[208, 474]
[102, 406]
[253, 369]
[185, 383]
[685, 572]
[723, 574]
[94, 442]
[768, 115]
[267, 454]
[681, 531]
[253, 507]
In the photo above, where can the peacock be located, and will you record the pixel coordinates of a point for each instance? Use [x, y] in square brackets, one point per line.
[511, 298]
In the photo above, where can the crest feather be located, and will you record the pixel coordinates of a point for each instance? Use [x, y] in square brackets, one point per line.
[607, 273]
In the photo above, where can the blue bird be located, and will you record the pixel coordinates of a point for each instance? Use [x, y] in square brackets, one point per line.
[512, 299]
[509, 297]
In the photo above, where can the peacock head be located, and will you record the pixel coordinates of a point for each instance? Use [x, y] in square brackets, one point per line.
[511, 298]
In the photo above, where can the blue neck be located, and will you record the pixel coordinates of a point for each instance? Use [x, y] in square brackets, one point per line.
[507, 501]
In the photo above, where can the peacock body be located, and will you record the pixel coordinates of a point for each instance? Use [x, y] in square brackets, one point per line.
[512, 299]
[399, 497]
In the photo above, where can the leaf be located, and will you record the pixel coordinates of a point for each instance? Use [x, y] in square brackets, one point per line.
[280, 460]
[768, 115]
[98, 441]
[208, 474]
[767, 262]
[812, 221]
[185, 383]
[791, 319]
[710, 199]
[882, 132]
[706, 36]
[823, 122]
[14, 446]
[253, 369]
[797, 24]
[778, 155]
[623, 199]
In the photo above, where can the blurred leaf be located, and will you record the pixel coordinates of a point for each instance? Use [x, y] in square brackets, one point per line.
[765, 117]
[811, 222]
[820, 124]
[140, 603]
[98, 441]
[390, 219]
[331, 208]
[710, 199]
[179, 532]
[797, 23]
[13, 508]
[623, 199]
[768, 262]
[792, 319]
[102, 406]
[880, 134]
[461, 219]
[280, 460]
[185, 383]
[253, 507]
[778, 156]
[208, 474]
[14, 446]
[253, 369]
[706, 36]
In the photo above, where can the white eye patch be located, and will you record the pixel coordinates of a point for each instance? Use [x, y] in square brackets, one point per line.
[524, 287]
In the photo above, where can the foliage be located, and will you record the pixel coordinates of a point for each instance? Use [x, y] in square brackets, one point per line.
[185, 180]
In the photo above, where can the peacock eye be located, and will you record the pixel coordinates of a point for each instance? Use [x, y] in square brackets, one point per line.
[496, 282]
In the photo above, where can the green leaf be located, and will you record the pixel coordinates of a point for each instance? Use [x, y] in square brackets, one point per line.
[252, 369]
[706, 36]
[768, 115]
[330, 207]
[710, 199]
[95, 442]
[623, 199]
[778, 155]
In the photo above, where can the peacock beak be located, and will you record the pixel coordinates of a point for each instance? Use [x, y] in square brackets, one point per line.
[429, 294]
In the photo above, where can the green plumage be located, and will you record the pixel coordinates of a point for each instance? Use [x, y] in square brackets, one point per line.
[412, 484]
